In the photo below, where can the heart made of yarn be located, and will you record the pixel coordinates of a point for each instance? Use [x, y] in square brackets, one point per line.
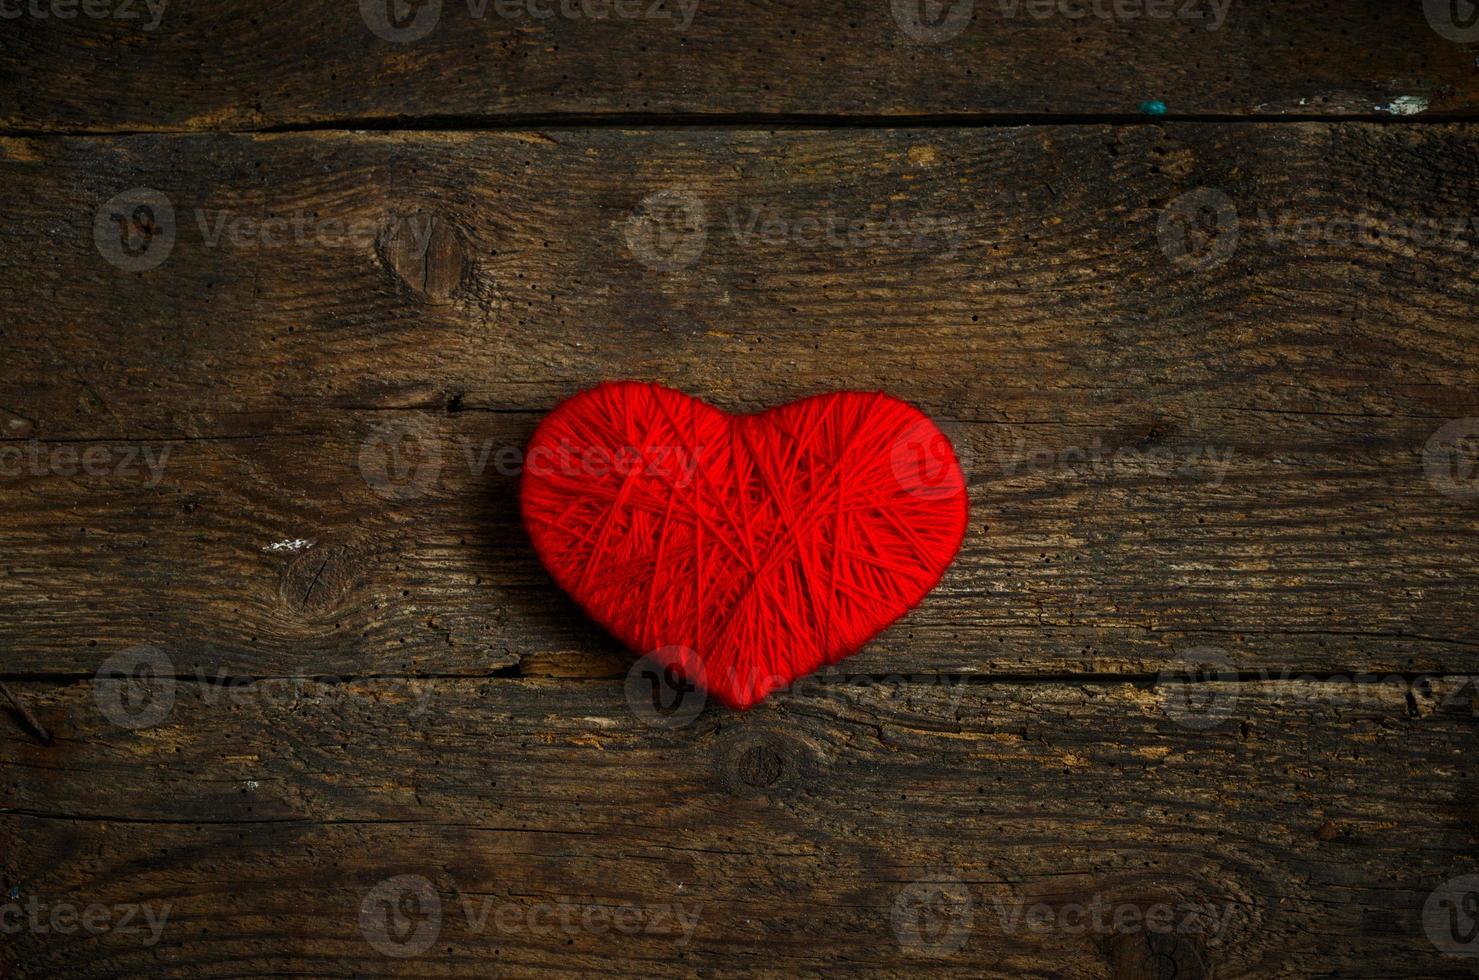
[746, 551]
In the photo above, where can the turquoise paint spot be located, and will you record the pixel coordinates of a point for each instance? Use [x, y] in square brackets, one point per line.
[1154, 107]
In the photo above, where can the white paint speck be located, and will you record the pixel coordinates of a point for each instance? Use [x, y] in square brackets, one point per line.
[290, 546]
[251, 784]
[1405, 105]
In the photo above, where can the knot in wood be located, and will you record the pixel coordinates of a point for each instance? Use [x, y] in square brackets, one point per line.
[426, 253]
[757, 763]
[316, 581]
[1156, 956]
[761, 766]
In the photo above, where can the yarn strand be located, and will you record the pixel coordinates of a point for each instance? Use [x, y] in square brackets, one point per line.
[760, 547]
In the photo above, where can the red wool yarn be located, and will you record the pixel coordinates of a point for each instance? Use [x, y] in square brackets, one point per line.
[744, 550]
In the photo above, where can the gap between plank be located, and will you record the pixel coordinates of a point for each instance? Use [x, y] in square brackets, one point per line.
[744, 121]
[513, 672]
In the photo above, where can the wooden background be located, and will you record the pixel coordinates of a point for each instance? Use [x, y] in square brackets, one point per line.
[1208, 644]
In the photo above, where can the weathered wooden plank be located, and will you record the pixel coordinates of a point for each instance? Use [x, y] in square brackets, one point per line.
[315, 555]
[1313, 820]
[1055, 329]
[1017, 275]
[235, 65]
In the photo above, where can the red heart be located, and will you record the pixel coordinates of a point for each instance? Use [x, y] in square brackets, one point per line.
[746, 550]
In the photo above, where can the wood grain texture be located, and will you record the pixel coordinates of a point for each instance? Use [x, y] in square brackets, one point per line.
[1009, 276]
[1063, 572]
[1314, 821]
[1284, 394]
[261, 410]
[236, 64]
